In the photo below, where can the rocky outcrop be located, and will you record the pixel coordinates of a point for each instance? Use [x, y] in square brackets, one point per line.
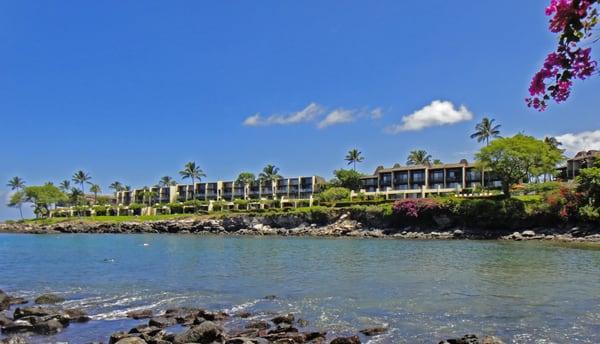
[48, 299]
[333, 223]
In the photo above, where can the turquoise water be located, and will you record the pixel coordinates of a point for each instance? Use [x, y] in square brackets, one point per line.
[423, 290]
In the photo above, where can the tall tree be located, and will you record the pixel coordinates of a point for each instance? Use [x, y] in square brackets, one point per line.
[16, 201]
[116, 186]
[16, 183]
[80, 177]
[349, 179]
[147, 196]
[353, 157]
[95, 189]
[245, 178]
[193, 172]
[167, 181]
[269, 173]
[65, 186]
[514, 159]
[42, 197]
[485, 130]
[418, 157]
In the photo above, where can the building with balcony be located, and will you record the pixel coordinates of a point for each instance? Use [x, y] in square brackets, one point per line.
[583, 159]
[421, 180]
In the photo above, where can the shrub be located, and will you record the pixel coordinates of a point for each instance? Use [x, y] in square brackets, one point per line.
[334, 194]
[100, 210]
[415, 207]
[541, 188]
[176, 208]
[491, 213]
[589, 213]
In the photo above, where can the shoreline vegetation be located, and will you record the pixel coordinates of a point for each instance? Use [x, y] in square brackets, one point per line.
[44, 316]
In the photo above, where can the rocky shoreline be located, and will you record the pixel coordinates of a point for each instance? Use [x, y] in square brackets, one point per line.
[340, 225]
[180, 325]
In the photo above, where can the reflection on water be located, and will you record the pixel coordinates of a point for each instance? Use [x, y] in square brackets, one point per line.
[423, 290]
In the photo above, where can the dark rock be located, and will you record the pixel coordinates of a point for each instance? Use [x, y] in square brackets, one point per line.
[51, 326]
[346, 340]
[243, 315]
[162, 322]
[373, 331]
[77, 315]
[287, 319]
[141, 314]
[117, 336]
[270, 297]
[213, 316]
[48, 299]
[315, 335]
[145, 329]
[259, 325]
[302, 322]
[205, 333]
[4, 320]
[285, 328]
[17, 300]
[32, 311]
[18, 326]
[14, 340]
[467, 339]
[4, 301]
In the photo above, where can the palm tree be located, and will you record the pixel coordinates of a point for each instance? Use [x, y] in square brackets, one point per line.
[116, 186]
[95, 189]
[65, 186]
[167, 181]
[553, 142]
[353, 157]
[147, 196]
[269, 173]
[81, 178]
[193, 172]
[16, 183]
[126, 188]
[486, 130]
[245, 178]
[418, 157]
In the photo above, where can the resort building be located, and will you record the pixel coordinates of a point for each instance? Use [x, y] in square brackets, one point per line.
[423, 180]
[287, 188]
[583, 159]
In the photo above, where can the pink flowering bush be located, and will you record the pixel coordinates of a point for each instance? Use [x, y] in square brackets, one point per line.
[573, 20]
[416, 207]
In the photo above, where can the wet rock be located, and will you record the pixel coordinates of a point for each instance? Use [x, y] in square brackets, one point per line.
[313, 336]
[259, 325]
[4, 301]
[18, 326]
[117, 336]
[32, 311]
[51, 326]
[467, 339]
[4, 320]
[270, 297]
[17, 300]
[374, 331]
[48, 299]
[141, 314]
[14, 340]
[132, 340]
[77, 315]
[162, 322]
[286, 319]
[243, 315]
[205, 333]
[346, 340]
[491, 340]
[302, 322]
[528, 234]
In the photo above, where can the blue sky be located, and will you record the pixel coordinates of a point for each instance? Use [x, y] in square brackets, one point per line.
[131, 90]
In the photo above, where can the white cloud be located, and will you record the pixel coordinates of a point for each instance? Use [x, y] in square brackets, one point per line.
[435, 114]
[576, 142]
[336, 117]
[309, 113]
[376, 113]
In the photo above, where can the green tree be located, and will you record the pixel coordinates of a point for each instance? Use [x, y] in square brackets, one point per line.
[589, 183]
[269, 173]
[80, 177]
[334, 194]
[116, 186]
[353, 157]
[437, 162]
[76, 196]
[95, 189]
[16, 201]
[147, 196]
[167, 181]
[513, 159]
[418, 157]
[65, 186]
[485, 130]
[245, 178]
[192, 172]
[349, 179]
[17, 184]
[42, 197]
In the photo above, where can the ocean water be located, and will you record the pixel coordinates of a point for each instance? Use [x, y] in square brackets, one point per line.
[424, 291]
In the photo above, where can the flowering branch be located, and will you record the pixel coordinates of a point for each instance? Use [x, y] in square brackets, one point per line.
[574, 20]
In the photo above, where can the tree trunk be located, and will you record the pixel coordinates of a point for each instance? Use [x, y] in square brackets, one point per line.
[506, 189]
